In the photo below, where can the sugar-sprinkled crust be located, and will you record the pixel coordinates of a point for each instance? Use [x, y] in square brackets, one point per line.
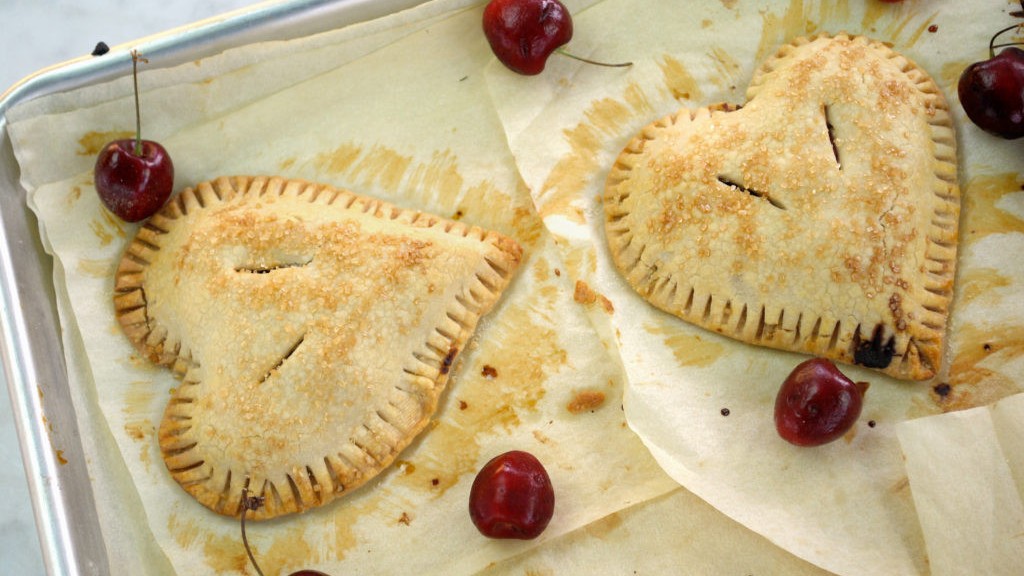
[313, 330]
[819, 217]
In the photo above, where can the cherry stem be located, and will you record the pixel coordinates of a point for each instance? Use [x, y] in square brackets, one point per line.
[992, 43]
[594, 62]
[248, 503]
[136, 57]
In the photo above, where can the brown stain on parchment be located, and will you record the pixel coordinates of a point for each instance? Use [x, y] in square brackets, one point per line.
[949, 76]
[981, 216]
[437, 182]
[973, 384]
[91, 143]
[603, 119]
[137, 405]
[978, 283]
[74, 193]
[689, 349]
[96, 268]
[377, 166]
[727, 68]
[604, 527]
[280, 545]
[107, 227]
[339, 160]
[679, 81]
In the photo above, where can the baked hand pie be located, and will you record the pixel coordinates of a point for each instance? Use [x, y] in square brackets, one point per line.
[819, 217]
[313, 329]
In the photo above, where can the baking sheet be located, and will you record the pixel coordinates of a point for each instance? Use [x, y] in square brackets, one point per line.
[73, 369]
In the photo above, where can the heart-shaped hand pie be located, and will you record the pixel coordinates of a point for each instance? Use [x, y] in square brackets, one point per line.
[314, 331]
[820, 217]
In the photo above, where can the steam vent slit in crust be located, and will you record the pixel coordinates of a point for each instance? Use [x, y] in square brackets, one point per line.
[313, 330]
[819, 217]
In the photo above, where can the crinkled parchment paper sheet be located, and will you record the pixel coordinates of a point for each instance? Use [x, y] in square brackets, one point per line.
[396, 109]
[852, 507]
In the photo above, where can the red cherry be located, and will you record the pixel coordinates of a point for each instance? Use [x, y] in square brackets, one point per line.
[132, 184]
[134, 177]
[523, 33]
[512, 497]
[992, 93]
[817, 403]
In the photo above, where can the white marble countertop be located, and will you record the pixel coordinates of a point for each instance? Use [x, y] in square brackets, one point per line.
[38, 34]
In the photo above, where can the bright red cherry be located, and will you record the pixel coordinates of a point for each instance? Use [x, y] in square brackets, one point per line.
[512, 497]
[134, 177]
[817, 403]
[523, 33]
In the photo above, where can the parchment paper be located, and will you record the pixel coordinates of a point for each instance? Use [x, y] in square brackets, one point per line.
[849, 506]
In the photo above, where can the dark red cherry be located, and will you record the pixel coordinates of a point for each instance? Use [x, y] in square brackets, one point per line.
[134, 182]
[512, 497]
[523, 33]
[817, 403]
[134, 177]
[992, 91]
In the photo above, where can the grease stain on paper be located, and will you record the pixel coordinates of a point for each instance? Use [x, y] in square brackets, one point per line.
[980, 283]
[91, 143]
[981, 215]
[107, 227]
[437, 184]
[679, 81]
[975, 378]
[605, 119]
[689, 349]
[96, 267]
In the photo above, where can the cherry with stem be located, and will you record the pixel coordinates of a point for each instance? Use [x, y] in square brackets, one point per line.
[134, 177]
[524, 33]
[991, 91]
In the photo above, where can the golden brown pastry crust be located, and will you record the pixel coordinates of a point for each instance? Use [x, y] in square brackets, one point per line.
[820, 217]
[314, 330]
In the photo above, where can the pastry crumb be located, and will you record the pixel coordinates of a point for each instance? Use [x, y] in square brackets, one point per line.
[586, 401]
[584, 294]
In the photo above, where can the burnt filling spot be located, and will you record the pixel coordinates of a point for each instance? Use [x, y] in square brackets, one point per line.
[874, 353]
[942, 390]
[446, 363]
